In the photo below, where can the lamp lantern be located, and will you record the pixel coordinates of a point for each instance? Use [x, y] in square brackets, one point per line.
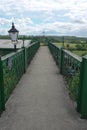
[13, 33]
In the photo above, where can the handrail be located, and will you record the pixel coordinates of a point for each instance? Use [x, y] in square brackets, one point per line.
[12, 67]
[74, 69]
[73, 55]
[69, 65]
[10, 54]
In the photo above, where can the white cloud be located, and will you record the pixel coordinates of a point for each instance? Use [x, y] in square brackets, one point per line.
[4, 21]
[59, 16]
[34, 5]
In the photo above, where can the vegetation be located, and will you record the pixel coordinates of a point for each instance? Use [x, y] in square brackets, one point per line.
[58, 39]
[79, 49]
[73, 86]
[80, 53]
[77, 45]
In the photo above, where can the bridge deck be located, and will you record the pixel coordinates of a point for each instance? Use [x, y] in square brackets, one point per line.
[40, 100]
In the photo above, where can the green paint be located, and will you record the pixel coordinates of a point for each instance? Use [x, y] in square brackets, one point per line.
[2, 102]
[12, 67]
[84, 88]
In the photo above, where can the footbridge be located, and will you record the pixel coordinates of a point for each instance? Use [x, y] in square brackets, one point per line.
[34, 94]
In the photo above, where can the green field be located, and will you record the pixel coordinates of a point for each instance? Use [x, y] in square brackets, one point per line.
[72, 46]
[80, 53]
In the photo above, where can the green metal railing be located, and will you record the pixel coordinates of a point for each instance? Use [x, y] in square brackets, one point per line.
[30, 52]
[70, 68]
[56, 52]
[74, 69]
[12, 67]
[69, 64]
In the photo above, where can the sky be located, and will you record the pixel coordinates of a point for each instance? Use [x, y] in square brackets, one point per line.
[44, 17]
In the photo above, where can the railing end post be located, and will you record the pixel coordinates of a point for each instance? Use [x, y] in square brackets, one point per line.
[2, 100]
[82, 101]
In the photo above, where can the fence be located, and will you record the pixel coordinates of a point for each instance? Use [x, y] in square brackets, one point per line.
[12, 67]
[74, 70]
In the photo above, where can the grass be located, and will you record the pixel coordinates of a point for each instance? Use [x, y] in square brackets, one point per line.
[73, 86]
[72, 46]
[80, 53]
[43, 44]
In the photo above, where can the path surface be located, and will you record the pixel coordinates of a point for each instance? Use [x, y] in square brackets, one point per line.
[40, 100]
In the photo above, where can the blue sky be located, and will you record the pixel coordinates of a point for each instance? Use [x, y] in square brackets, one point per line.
[54, 17]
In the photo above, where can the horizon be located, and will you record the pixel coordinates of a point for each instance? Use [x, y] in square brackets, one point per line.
[47, 35]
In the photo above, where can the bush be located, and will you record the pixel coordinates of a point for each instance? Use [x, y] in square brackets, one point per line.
[81, 47]
[73, 85]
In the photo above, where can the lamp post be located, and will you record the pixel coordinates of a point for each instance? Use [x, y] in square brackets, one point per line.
[23, 40]
[13, 33]
[63, 42]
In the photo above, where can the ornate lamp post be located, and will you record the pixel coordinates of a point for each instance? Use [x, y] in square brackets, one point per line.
[13, 33]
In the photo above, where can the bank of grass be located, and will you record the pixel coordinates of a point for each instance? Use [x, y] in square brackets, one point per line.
[72, 47]
[43, 44]
[73, 86]
[80, 53]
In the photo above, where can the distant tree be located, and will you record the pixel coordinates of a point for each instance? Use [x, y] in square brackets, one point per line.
[68, 46]
[81, 46]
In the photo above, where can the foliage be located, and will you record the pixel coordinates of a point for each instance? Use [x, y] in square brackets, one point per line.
[46, 38]
[4, 37]
[80, 53]
[73, 86]
[81, 46]
[9, 83]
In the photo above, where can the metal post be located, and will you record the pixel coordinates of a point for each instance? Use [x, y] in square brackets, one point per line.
[63, 42]
[2, 100]
[23, 40]
[61, 61]
[15, 47]
[24, 51]
[82, 103]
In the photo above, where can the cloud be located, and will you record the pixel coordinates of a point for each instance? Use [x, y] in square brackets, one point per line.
[34, 17]
[4, 21]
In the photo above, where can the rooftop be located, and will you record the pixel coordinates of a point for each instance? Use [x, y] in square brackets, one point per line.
[8, 44]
